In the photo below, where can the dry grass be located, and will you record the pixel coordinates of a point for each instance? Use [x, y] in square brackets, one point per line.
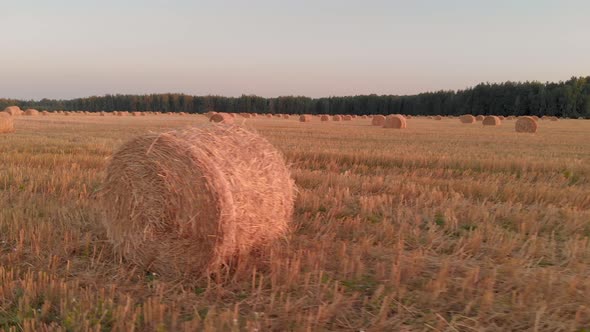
[441, 227]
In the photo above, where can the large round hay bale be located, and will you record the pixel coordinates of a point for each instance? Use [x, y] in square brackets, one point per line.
[286, 116]
[136, 113]
[177, 205]
[268, 115]
[378, 120]
[526, 124]
[479, 118]
[491, 120]
[6, 123]
[346, 118]
[467, 118]
[210, 114]
[246, 115]
[396, 121]
[102, 114]
[336, 118]
[31, 112]
[13, 110]
[222, 117]
[437, 117]
[535, 117]
[553, 118]
[305, 118]
[324, 117]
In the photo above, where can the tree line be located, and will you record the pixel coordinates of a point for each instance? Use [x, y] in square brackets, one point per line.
[569, 98]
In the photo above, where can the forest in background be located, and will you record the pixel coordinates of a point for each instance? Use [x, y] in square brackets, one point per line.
[569, 98]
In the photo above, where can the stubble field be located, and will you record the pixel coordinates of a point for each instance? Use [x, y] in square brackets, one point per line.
[441, 226]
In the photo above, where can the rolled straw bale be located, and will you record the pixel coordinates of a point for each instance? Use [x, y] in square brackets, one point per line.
[346, 118]
[396, 121]
[501, 117]
[45, 113]
[363, 116]
[305, 118]
[535, 117]
[268, 115]
[246, 115]
[286, 116]
[553, 118]
[467, 118]
[183, 203]
[491, 120]
[526, 124]
[102, 114]
[6, 123]
[222, 117]
[135, 113]
[378, 120]
[438, 117]
[210, 114]
[479, 118]
[31, 112]
[324, 117]
[13, 110]
[336, 118]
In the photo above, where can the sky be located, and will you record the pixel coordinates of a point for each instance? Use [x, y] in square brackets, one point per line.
[67, 49]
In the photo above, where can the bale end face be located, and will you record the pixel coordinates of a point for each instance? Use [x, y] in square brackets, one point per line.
[395, 121]
[491, 120]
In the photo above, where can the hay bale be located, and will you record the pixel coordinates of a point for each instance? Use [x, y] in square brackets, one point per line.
[102, 114]
[437, 117]
[44, 113]
[336, 118]
[553, 118]
[13, 110]
[378, 120]
[395, 121]
[6, 123]
[324, 117]
[136, 113]
[526, 124]
[467, 118]
[177, 205]
[268, 115]
[501, 117]
[286, 116]
[31, 112]
[246, 115]
[491, 120]
[535, 117]
[479, 118]
[222, 117]
[346, 118]
[305, 118]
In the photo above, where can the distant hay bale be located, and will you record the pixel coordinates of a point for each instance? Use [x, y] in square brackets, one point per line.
[408, 117]
[526, 124]
[6, 123]
[378, 120]
[324, 117]
[136, 113]
[246, 115]
[31, 112]
[177, 205]
[363, 117]
[553, 118]
[467, 118]
[268, 115]
[210, 114]
[222, 117]
[511, 117]
[44, 113]
[479, 118]
[437, 117]
[305, 118]
[336, 118]
[395, 121]
[102, 113]
[13, 110]
[286, 116]
[535, 117]
[501, 117]
[491, 120]
[346, 118]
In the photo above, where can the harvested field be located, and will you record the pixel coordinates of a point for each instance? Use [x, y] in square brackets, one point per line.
[439, 227]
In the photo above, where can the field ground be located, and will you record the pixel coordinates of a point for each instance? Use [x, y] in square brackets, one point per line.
[442, 226]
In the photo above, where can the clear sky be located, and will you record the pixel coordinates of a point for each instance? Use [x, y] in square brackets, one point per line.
[78, 48]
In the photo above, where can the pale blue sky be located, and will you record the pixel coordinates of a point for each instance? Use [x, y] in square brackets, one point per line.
[67, 48]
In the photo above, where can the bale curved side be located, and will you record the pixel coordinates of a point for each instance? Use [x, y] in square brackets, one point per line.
[305, 118]
[177, 205]
[31, 112]
[13, 110]
[336, 118]
[324, 118]
[526, 124]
